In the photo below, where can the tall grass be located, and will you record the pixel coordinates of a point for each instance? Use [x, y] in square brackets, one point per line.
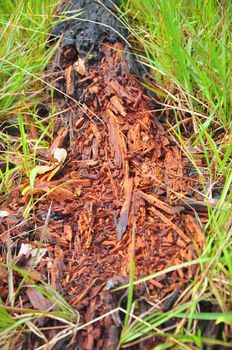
[24, 27]
[24, 54]
[187, 47]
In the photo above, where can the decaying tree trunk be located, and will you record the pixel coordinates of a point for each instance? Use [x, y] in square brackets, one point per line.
[123, 176]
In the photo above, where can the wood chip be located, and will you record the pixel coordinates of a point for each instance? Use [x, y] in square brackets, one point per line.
[157, 202]
[170, 223]
[124, 214]
[69, 76]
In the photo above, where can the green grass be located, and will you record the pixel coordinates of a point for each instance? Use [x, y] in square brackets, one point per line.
[187, 47]
[24, 28]
[24, 33]
[24, 55]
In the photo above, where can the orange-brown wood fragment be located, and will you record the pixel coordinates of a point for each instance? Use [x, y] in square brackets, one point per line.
[95, 131]
[80, 296]
[119, 90]
[134, 138]
[156, 202]
[85, 223]
[33, 129]
[156, 283]
[116, 138]
[68, 232]
[94, 89]
[58, 140]
[69, 76]
[171, 224]
[112, 181]
[57, 269]
[118, 105]
[53, 238]
[89, 162]
[196, 232]
[58, 193]
[170, 238]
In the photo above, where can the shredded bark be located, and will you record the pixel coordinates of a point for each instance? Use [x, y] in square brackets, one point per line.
[122, 171]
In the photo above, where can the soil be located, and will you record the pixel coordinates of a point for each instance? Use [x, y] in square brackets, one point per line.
[123, 176]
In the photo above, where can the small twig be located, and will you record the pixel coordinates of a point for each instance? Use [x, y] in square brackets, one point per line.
[11, 296]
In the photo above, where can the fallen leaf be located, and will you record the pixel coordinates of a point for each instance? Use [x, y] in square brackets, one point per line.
[60, 154]
[34, 255]
[37, 299]
[4, 213]
[38, 170]
[25, 249]
[79, 66]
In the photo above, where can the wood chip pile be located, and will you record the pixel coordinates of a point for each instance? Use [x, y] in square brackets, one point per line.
[122, 175]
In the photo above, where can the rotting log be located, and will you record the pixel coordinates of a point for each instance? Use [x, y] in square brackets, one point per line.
[122, 171]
